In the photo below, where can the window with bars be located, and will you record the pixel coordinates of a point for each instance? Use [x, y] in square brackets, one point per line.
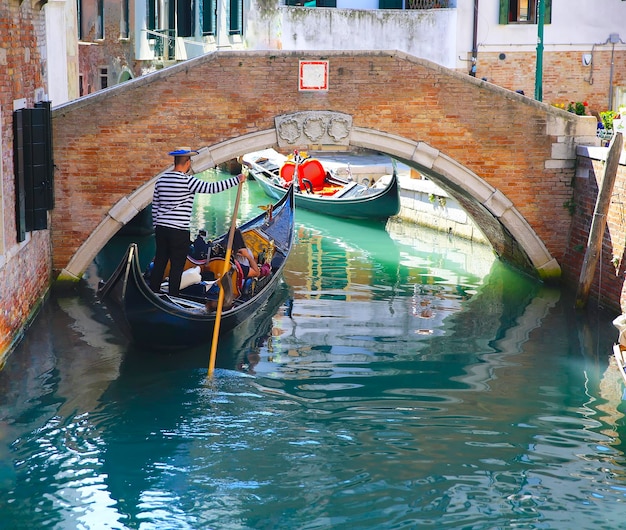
[523, 12]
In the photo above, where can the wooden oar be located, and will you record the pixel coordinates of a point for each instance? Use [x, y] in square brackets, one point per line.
[220, 298]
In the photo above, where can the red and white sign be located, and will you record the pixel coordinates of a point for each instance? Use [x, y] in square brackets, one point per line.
[313, 75]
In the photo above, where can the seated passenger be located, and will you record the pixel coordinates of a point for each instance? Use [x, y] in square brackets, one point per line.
[199, 248]
[244, 257]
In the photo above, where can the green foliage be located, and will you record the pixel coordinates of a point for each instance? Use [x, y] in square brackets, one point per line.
[607, 118]
[578, 107]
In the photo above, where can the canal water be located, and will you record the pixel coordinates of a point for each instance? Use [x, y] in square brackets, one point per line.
[400, 379]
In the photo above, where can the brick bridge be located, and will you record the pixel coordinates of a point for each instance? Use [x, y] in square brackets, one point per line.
[507, 159]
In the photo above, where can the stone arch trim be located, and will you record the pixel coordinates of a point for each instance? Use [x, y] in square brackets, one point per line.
[419, 153]
[460, 177]
[128, 207]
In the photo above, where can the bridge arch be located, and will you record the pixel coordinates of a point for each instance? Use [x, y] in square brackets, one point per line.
[507, 159]
[511, 237]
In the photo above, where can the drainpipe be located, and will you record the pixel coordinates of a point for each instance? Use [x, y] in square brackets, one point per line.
[475, 41]
[541, 12]
[613, 39]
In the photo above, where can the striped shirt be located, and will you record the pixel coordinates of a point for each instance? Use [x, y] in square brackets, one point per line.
[173, 197]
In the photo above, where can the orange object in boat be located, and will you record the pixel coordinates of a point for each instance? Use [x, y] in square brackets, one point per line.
[311, 169]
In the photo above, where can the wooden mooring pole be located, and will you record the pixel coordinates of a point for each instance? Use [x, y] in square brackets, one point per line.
[598, 223]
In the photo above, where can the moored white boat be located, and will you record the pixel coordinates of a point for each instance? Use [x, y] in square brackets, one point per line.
[619, 348]
[321, 189]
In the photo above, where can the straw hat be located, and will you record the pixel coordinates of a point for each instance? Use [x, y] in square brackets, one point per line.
[183, 151]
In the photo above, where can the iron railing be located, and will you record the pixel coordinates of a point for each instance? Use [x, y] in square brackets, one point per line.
[427, 4]
[165, 45]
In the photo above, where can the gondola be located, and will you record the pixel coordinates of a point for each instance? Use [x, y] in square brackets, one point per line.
[160, 321]
[323, 191]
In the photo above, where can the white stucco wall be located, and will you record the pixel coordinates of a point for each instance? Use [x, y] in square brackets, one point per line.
[357, 4]
[428, 34]
[575, 23]
[61, 51]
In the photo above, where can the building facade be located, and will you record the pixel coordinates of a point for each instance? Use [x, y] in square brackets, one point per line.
[583, 55]
[25, 257]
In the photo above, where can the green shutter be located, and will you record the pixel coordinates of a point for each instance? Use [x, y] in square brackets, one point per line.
[504, 11]
[208, 17]
[184, 18]
[389, 4]
[151, 16]
[236, 22]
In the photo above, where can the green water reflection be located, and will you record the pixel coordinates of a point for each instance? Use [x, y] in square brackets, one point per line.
[399, 379]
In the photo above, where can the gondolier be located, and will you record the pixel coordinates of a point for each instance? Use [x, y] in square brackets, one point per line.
[172, 204]
[158, 321]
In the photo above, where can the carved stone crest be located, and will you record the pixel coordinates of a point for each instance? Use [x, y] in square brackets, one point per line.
[313, 127]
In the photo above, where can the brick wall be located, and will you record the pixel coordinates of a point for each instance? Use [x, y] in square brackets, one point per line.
[208, 100]
[565, 79]
[24, 268]
[608, 283]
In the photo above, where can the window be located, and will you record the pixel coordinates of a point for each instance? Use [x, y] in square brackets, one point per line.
[209, 12]
[100, 21]
[236, 17]
[104, 78]
[390, 4]
[184, 18]
[151, 16]
[79, 14]
[312, 3]
[124, 28]
[523, 12]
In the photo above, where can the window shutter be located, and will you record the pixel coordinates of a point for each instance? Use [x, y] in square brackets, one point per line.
[389, 4]
[236, 17]
[33, 168]
[184, 16]
[208, 17]
[547, 19]
[47, 161]
[504, 11]
[18, 168]
[151, 16]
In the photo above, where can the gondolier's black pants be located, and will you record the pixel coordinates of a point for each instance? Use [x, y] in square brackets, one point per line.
[172, 245]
